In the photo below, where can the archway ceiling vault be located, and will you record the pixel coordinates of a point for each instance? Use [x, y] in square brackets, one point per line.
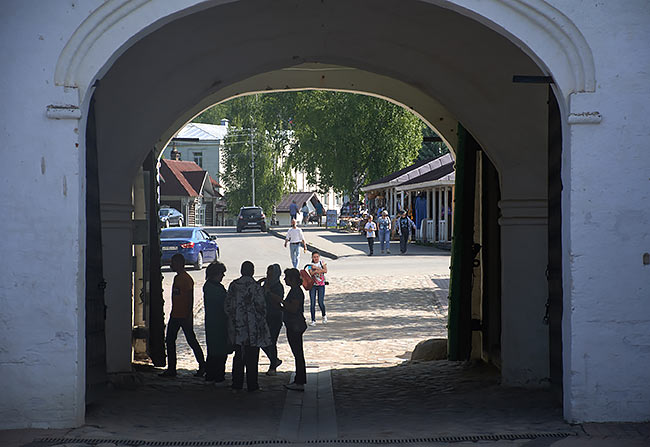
[454, 62]
[314, 76]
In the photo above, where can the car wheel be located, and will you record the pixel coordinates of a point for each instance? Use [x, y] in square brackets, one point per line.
[167, 224]
[198, 265]
[180, 222]
[216, 255]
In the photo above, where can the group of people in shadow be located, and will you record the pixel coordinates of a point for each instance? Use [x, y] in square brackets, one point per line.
[243, 319]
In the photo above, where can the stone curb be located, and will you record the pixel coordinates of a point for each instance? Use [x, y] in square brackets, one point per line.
[310, 247]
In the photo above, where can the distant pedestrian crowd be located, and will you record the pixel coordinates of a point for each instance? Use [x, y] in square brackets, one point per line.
[384, 226]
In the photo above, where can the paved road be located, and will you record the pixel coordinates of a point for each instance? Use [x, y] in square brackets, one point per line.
[379, 307]
[263, 249]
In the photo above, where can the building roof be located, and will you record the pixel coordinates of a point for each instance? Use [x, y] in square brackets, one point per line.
[444, 172]
[299, 197]
[181, 178]
[202, 132]
[402, 171]
[416, 170]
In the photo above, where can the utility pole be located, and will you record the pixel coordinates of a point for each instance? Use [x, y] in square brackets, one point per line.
[252, 166]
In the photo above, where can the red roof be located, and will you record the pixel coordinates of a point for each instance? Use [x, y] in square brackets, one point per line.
[181, 178]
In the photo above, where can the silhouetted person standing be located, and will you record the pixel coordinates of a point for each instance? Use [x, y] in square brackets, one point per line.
[294, 321]
[247, 329]
[182, 317]
[273, 293]
[216, 323]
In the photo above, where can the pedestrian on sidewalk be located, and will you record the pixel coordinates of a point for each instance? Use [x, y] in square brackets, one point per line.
[294, 322]
[404, 227]
[216, 323]
[273, 294]
[370, 228]
[384, 225]
[293, 210]
[319, 212]
[182, 317]
[295, 238]
[247, 329]
[317, 270]
[305, 213]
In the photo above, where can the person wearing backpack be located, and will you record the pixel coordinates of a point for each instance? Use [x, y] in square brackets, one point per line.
[317, 270]
[404, 227]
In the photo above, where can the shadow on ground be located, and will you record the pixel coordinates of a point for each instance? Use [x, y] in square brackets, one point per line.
[442, 398]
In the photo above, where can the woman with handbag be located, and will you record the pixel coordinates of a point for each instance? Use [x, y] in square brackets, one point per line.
[294, 321]
[317, 270]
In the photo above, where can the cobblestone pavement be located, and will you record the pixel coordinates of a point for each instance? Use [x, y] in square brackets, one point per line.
[373, 320]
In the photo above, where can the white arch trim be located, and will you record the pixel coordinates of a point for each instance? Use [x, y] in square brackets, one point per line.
[542, 31]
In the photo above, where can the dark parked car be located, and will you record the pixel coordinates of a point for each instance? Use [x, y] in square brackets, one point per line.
[194, 244]
[170, 216]
[251, 217]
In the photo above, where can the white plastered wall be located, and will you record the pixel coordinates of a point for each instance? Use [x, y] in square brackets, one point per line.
[606, 220]
[42, 351]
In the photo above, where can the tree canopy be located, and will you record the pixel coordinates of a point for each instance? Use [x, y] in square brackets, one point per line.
[341, 140]
[256, 117]
[346, 140]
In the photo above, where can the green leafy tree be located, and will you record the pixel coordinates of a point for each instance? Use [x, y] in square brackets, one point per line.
[346, 140]
[259, 117]
[431, 149]
[341, 140]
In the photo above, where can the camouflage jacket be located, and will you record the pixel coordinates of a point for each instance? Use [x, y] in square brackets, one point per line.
[246, 309]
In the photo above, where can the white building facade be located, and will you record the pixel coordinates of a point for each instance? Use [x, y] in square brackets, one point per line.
[94, 78]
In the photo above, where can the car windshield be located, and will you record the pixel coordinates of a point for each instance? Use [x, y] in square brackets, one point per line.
[176, 234]
[251, 212]
[163, 212]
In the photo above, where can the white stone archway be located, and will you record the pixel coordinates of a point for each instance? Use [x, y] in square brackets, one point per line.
[58, 69]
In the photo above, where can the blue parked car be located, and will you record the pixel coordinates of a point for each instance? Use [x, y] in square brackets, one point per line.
[194, 244]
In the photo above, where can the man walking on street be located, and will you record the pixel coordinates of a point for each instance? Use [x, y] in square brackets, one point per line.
[182, 317]
[293, 210]
[295, 238]
[404, 226]
[370, 230]
[248, 331]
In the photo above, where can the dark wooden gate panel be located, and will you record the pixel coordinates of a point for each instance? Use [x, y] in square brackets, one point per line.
[154, 311]
[95, 308]
[491, 251]
[462, 255]
[554, 269]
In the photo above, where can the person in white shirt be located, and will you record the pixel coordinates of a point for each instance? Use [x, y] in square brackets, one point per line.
[370, 230]
[295, 238]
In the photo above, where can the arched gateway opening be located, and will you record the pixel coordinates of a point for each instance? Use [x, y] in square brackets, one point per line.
[452, 66]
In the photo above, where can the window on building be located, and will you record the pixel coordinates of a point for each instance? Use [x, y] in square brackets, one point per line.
[200, 215]
[198, 158]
